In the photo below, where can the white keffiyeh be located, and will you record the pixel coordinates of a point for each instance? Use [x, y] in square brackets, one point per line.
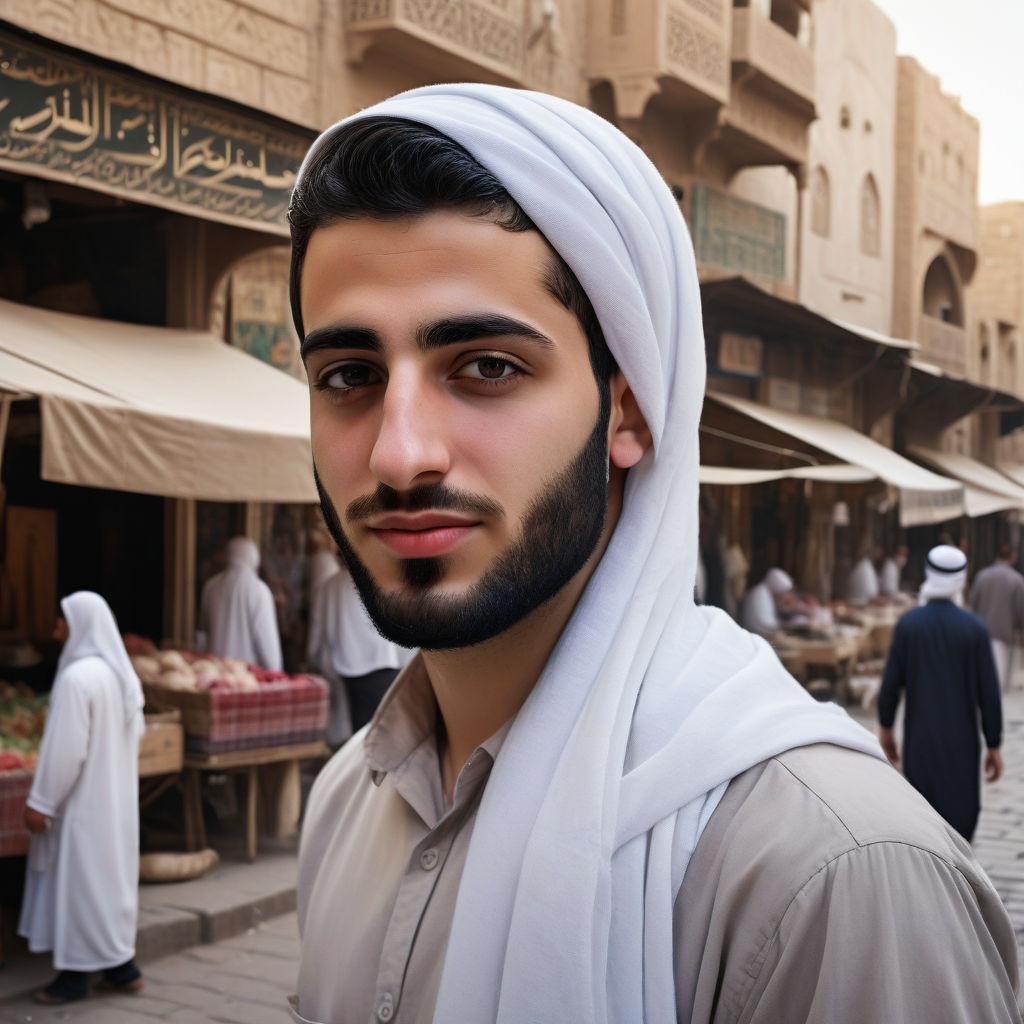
[649, 705]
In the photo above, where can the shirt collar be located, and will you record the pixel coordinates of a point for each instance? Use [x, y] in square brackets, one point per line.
[406, 717]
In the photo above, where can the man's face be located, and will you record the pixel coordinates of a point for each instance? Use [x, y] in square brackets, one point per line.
[462, 461]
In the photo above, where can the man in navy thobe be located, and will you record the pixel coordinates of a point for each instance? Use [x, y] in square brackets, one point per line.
[941, 657]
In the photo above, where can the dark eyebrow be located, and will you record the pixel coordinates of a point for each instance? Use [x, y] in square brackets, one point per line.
[339, 337]
[455, 330]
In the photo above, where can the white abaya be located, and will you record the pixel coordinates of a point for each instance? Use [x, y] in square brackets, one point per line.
[81, 885]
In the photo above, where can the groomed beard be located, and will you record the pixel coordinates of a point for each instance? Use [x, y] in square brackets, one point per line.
[560, 530]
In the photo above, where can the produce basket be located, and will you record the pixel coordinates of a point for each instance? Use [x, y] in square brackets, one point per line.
[279, 712]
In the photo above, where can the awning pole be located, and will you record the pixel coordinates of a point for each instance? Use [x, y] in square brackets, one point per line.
[5, 417]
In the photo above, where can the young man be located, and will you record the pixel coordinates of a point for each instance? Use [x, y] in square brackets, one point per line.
[568, 806]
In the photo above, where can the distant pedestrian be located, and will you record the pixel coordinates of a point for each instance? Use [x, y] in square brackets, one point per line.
[941, 658]
[889, 575]
[81, 887]
[997, 597]
[761, 603]
[862, 585]
[237, 610]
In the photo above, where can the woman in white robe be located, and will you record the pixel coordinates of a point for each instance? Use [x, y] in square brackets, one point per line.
[81, 885]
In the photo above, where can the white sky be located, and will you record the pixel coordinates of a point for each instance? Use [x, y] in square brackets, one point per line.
[976, 47]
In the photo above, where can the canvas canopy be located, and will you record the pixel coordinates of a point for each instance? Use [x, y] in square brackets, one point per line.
[925, 497]
[986, 489]
[837, 473]
[157, 411]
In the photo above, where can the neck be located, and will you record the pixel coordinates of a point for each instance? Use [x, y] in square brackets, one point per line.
[479, 688]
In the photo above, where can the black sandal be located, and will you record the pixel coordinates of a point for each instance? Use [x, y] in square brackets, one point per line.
[67, 987]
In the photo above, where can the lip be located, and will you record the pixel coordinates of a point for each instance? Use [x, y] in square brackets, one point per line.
[417, 521]
[422, 535]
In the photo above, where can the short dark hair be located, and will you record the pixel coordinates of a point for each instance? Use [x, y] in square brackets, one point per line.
[392, 167]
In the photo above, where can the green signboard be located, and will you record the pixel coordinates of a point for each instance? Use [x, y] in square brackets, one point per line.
[736, 235]
[64, 119]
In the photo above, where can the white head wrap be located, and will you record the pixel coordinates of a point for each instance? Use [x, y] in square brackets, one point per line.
[242, 551]
[648, 705]
[93, 633]
[778, 581]
[945, 575]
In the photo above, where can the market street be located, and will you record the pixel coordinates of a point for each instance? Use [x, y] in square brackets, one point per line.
[241, 980]
[246, 979]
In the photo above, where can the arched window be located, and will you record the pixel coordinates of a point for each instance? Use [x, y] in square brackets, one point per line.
[870, 218]
[941, 298]
[844, 117]
[821, 202]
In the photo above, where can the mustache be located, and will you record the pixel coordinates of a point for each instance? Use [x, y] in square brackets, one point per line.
[435, 497]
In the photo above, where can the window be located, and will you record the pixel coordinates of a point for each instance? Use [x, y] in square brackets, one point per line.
[870, 218]
[821, 202]
[941, 298]
[844, 117]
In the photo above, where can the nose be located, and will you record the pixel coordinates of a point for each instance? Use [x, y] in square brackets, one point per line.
[411, 447]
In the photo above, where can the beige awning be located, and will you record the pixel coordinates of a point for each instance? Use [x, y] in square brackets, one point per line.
[157, 411]
[986, 489]
[837, 473]
[925, 497]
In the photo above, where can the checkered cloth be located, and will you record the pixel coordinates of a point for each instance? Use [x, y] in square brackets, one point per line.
[279, 713]
[14, 790]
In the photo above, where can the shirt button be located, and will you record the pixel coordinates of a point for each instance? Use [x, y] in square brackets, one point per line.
[385, 1008]
[428, 860]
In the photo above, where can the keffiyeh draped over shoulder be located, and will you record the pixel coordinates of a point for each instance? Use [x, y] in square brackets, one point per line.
[649, 705]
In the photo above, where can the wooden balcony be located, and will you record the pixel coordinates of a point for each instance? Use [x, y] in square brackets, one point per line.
[678, 49]
[771, 101]
[943, 344]
[781, 64]
[475, 39]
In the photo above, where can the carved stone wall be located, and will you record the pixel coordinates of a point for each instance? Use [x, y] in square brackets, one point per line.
[489, 31]
[936, 189]
[261, 53]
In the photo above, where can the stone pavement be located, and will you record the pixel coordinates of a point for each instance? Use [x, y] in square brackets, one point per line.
[240, 980]
[999, 839]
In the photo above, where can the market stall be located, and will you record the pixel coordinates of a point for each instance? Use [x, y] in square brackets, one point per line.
[238, 717]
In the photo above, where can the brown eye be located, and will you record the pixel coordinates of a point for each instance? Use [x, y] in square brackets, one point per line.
[351, 375]
[492, 369]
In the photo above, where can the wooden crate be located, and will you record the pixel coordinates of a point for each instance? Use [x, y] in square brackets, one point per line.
[162, 747]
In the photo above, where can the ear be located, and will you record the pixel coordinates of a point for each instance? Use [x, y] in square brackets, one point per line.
[628, 434]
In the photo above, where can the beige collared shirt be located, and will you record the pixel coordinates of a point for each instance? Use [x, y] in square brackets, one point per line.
[823, 888]
[380, 867]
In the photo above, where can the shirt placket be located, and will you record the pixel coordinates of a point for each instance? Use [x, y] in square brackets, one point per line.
[417, 886]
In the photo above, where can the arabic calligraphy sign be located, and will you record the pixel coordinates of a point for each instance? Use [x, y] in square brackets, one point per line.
[64, 119]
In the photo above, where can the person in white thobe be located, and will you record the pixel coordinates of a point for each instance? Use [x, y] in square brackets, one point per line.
[81, 884]
[358, 663]
[862, 584]
[760, 609]
[237, 610]
[890, 573]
